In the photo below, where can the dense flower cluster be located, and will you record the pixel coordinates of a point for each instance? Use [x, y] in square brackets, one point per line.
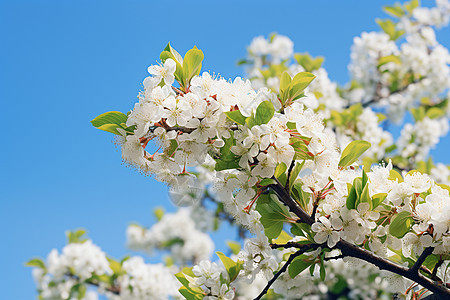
[296, 163]
[82, 263]
[178, 233]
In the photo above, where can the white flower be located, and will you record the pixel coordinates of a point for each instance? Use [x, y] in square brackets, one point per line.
[164, 72]
[411, 242]
[418, 182]
[325, 233]
[364, 216]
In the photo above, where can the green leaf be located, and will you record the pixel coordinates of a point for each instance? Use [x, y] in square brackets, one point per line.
[235, 247]
[352, 196]
[192, 293]
[294, 173]
[76, 236]
[298, 265]
[110, 121]
[302, 229]
[395, 176]
[189, 294]
[308, 62]
[284, 83]
[227, 159]
[418, 113]
[280, 169]
[389, 27]
[390, 58]
[267, 181]
[272, 221]
[364, 179]
[273, 215]
[233, 268]
[434, 113]
[36, 262]
[411, 5]
[236, 117]
[158, 212]
[192, 63]
[365, 197]
[176, 56]
[322, 267]
[298, 84]
[395, 11]
[352, 152]
[264, 112]
[299, 195]
[283, 238]
[400, 224]
[377, 199]
[116, 267]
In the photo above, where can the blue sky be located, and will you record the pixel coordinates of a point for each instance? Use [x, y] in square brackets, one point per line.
[64, 62]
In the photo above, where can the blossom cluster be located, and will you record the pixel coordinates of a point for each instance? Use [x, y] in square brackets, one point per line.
[175, 232]
[293, 159]
[82, 265]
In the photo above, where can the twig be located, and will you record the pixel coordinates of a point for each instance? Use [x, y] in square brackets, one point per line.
[415, 268]
[334, 257]
[288, 245]
[436, 267]
[287, 200]
[283, 269]
[286, 187]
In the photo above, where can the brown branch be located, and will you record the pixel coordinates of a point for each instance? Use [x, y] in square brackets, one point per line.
[348, 249]
[334, 257]
[184, 129]
[436, 267]
[283, 269]
[415, 268]
[286, 187]
[293, 245]
[352, 250]
[286, 199]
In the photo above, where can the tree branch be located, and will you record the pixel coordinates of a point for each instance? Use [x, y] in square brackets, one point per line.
[384, 264]
[286, 187]
[283, 269]
[352, 250]
[286, 199]
[415, 268]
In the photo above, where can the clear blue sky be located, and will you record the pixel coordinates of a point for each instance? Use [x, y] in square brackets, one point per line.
[64, 62]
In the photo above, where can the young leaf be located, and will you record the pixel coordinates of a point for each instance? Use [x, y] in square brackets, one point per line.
[267, 181]
[192, 63]
[377, 199]
[352, 152]
[400, 224]
[110, 121]
[236, 117]
[299, 83]
[294, 173]
[280, 169]
[284, 83]
[227, 159]
[264, 112]
[230, 265]
[35, 262]
[322, 267]
[235, 247]
[298, 265]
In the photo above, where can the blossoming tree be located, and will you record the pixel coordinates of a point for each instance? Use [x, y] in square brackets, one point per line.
[326, 203]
